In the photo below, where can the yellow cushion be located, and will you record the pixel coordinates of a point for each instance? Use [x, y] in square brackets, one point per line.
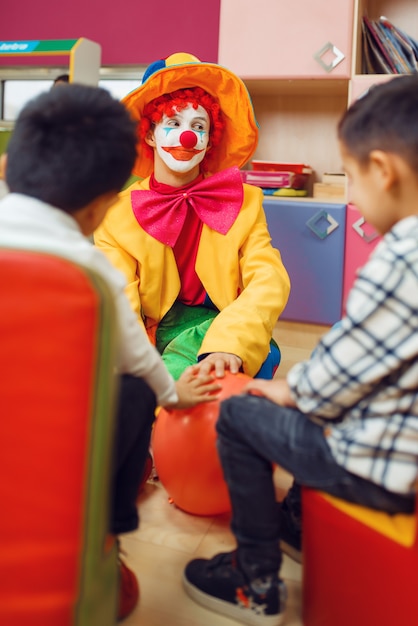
[400, 527]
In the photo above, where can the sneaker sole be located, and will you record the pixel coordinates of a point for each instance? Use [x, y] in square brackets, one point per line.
[293, 553]
[242, 615]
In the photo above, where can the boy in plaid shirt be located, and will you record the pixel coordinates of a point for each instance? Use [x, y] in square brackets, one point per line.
[346, 420]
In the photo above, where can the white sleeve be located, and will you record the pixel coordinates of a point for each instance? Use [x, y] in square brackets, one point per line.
[136, 355]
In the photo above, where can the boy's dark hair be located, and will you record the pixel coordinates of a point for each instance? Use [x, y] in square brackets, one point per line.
[62, 78]
[384, 119]
[70, 146]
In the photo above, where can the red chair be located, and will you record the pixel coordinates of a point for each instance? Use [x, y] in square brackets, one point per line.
[57, 398]
[360, 566]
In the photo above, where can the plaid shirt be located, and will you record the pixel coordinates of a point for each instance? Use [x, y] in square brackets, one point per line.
[363, 375]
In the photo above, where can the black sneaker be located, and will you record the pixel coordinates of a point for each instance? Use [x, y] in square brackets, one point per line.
[290, 536]
[219, 585]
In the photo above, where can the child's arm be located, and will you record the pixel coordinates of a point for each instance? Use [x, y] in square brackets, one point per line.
[193, 388]
[359, 362]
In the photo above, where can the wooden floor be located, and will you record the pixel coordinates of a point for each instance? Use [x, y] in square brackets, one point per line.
[168, 538]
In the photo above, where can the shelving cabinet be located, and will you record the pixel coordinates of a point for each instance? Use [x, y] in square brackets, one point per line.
[298, 101]
[295, 58]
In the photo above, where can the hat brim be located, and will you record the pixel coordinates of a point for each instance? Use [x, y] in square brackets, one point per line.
[240, 137]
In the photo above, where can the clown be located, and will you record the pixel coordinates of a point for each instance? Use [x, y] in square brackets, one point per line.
[190, 237]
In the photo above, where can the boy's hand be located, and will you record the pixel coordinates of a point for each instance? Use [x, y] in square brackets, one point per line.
[219, 362]
[194, 387]
[276, 390]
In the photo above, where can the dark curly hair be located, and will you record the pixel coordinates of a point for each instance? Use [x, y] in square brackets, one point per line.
[71, 145]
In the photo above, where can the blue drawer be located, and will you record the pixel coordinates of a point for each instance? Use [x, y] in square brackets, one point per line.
[310, 237]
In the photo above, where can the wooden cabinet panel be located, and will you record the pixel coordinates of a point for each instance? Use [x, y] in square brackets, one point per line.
[301, 127]
[310, 237]
[277, 38]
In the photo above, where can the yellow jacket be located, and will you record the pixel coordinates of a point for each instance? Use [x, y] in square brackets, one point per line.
[241, 272]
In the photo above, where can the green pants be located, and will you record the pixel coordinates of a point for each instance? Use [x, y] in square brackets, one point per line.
[180, 334]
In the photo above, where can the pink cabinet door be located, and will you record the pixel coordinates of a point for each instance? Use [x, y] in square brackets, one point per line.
[278, 39]
[360, 240]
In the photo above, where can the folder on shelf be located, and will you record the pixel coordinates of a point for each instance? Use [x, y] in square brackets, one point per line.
[405, 45]
[376, 57]
[387, 49]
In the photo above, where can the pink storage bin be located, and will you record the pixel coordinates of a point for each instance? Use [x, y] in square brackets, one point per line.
[274, 175]
[275, 180]
[274, 166]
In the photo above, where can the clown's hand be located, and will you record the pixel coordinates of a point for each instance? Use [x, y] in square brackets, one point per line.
[218, 362]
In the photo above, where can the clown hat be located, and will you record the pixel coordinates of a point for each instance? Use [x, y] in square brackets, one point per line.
[183, 70]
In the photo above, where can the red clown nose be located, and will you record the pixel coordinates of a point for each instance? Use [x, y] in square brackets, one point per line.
[188, 139]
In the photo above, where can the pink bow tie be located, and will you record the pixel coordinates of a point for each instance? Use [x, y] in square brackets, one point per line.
[217, 200]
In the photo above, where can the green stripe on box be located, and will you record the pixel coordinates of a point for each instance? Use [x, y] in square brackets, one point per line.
[56, 45]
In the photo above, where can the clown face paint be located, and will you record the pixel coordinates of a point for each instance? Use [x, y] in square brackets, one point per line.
[181, 141]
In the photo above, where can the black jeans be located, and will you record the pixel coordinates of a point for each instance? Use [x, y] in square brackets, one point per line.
[134, 420]
[254, 433]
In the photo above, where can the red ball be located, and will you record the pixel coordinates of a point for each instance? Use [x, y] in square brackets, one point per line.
[185, 454]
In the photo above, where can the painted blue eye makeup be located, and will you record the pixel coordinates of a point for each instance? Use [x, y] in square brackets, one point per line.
[201, 133]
